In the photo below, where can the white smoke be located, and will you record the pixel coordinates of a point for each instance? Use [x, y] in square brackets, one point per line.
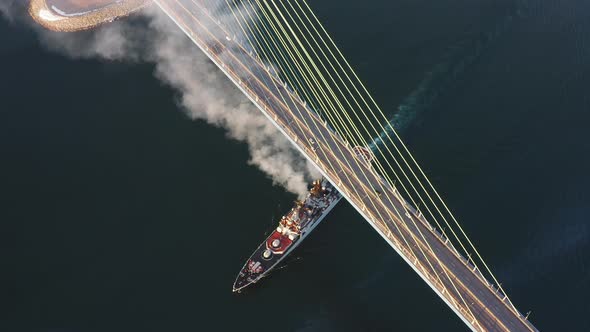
[8, 9]
[205, 93]
[207, 96]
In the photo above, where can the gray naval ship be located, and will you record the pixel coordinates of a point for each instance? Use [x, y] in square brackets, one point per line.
[292, 229]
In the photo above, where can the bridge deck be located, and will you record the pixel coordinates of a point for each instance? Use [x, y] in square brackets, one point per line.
[450, 275]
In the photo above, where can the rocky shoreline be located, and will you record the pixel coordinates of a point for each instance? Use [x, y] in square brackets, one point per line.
[44, 13]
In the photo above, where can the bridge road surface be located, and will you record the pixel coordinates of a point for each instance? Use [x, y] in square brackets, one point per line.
[450, 275]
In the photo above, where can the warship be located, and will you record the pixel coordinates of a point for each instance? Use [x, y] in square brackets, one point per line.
[291, 231]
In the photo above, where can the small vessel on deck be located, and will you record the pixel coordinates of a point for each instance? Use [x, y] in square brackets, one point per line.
[292, 229]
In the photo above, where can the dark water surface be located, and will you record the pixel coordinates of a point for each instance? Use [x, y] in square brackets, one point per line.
[118, 213]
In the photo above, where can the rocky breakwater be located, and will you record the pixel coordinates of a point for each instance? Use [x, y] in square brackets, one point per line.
[76, 15]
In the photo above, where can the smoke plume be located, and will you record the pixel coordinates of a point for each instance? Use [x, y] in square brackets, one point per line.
[209, 96]
[8, 9]
[205, 93]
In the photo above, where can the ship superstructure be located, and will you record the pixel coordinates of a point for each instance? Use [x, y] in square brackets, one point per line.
[292, 229]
